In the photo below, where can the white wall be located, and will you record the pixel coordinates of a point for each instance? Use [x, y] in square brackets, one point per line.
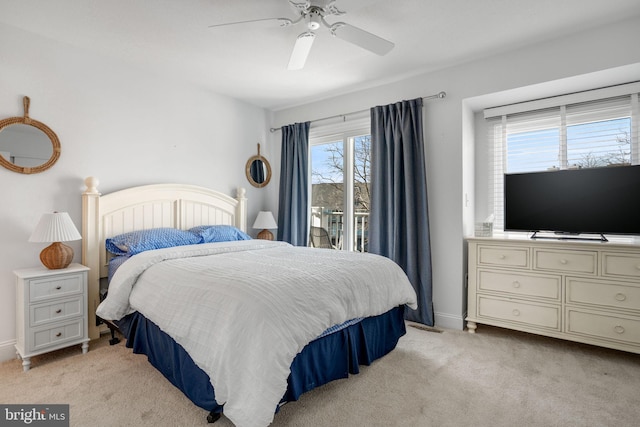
[545, 69]
[116, 122]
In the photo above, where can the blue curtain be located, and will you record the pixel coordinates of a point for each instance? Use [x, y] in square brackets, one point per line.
[293, 224]
[399, 224]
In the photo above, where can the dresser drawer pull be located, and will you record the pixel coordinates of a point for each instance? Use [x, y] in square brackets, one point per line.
[58, 311]
[619, 329]
[59, 334]
[516, 312]
[505, 257]
[58, 288]
[620, 297]
[638, 267]
[516, 284]
[564, 261]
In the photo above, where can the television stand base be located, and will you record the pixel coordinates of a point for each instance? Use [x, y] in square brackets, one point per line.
[569, 236]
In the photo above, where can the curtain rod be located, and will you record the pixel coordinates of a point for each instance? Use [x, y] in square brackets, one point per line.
[438, 95]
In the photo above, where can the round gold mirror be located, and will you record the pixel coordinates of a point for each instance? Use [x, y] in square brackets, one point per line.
[26, 145]
[258, 170]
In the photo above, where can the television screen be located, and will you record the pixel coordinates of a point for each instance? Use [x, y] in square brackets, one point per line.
[599, 200]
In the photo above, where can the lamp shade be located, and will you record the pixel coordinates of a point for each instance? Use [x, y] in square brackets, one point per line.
[55, 227]
[265, 221]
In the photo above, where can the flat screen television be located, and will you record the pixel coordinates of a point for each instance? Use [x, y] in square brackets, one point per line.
[602, 201]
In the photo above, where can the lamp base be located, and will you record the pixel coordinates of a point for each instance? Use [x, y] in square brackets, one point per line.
[265, 235]
[56, 256]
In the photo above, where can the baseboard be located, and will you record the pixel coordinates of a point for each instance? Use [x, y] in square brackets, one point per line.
[448, 321]
[7, 350]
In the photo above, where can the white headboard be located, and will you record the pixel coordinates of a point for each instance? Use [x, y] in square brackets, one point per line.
[149, 206]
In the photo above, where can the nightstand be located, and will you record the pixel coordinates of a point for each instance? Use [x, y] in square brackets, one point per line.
[51, 310]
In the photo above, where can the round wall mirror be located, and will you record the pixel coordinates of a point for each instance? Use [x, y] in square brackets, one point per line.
[258, 170]
[26, 145]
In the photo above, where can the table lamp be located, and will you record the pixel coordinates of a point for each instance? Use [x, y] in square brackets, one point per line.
[265, 221]
[55, 227]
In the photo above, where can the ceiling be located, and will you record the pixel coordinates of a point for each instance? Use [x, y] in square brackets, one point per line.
[249, 61]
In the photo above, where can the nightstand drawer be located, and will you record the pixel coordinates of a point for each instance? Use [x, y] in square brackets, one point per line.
[621, 265]
[520, 284]
[503, 256]
[611, 327]
[58, 334]
[55, 311]
[566, 261]
[522, 312]
[54, 287]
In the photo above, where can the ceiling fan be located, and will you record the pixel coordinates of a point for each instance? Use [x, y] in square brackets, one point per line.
[313, 13]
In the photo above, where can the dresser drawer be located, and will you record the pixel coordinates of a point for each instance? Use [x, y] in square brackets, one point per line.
[520, 284]
[503, 256]
[624, 265]
[60, 333]
[603, 293]
[56, 311]
[525, 313]
[600, 325]
[565, 261]
[54, 287]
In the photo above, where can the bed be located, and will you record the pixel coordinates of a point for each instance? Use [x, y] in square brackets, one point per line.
[241, 326]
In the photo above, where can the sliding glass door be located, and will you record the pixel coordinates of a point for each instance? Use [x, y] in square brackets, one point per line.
[340, 190]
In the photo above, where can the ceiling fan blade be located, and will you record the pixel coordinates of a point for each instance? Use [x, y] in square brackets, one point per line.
[361, 38]
[283, 22]
[301, 50]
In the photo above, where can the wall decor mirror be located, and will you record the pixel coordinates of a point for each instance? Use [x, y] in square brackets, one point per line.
[258, 170]
[27, 145]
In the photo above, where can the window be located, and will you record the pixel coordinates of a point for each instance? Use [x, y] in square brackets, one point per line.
[340, 188]
[593, 133]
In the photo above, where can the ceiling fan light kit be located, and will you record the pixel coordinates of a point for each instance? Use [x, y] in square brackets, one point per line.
[313, 13]
[314, 18]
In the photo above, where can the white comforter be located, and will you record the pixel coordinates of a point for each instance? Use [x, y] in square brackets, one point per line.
[243, 310]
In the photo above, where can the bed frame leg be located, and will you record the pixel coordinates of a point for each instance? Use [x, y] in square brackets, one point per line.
[114, 340]
[112, 327]
[213, 417]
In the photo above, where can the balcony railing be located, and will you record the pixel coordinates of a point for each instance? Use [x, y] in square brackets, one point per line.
[333, 222]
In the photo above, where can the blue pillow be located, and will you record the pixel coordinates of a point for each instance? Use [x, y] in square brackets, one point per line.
[219, 233]
[114, 264]
[135, 242]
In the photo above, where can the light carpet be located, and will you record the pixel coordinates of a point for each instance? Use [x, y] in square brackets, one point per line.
[494, 378]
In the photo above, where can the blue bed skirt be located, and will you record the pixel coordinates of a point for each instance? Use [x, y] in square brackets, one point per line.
[323, 360]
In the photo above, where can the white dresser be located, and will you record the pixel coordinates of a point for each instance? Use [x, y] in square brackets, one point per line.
[51, 310]
[575, 290]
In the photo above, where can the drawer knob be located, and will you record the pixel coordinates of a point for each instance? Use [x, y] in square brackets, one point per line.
[564, 261]
[516, 312]
[620, 297]
[58, 311]
[502, 256]
[59, 334]
[58, 288]
[619, 329]
[638, 267]
[516, 284]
